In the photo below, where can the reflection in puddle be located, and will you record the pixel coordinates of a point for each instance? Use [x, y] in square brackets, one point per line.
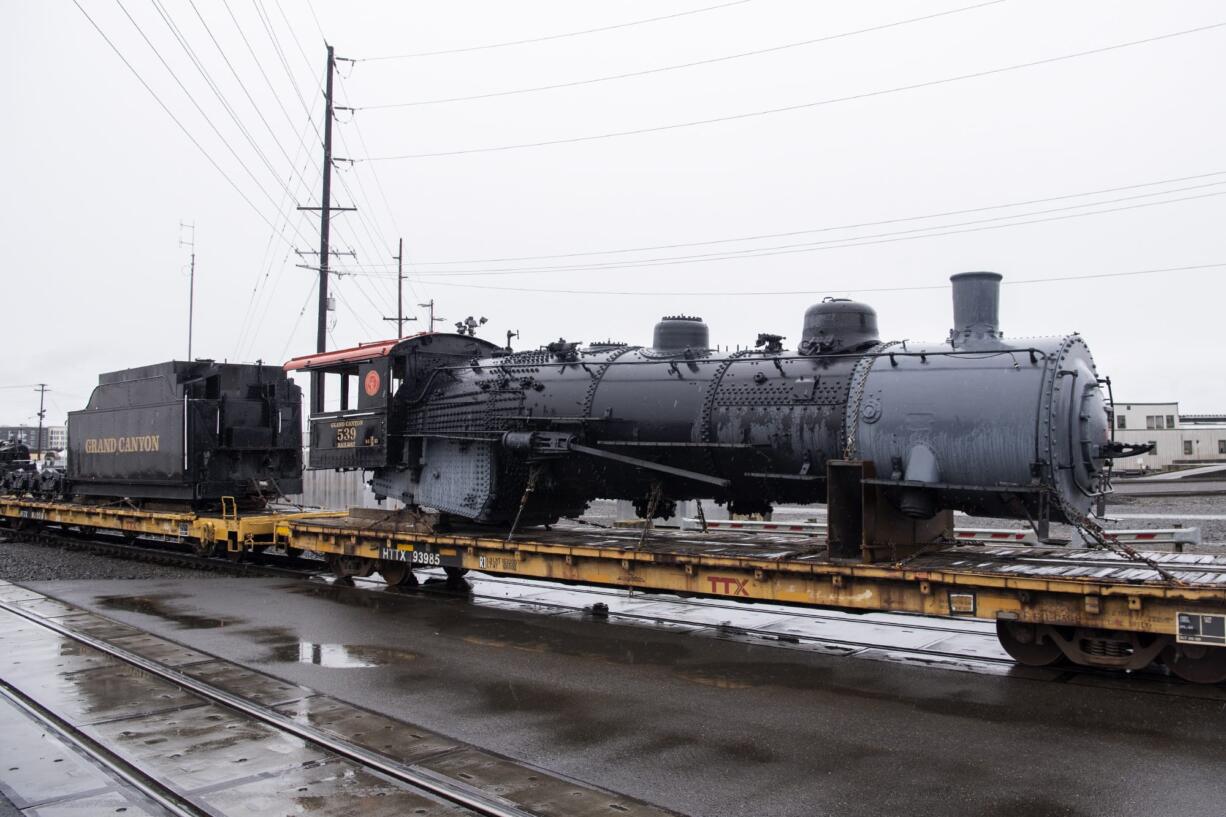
[341, 655]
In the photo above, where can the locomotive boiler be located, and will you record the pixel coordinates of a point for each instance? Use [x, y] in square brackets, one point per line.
[976, 422]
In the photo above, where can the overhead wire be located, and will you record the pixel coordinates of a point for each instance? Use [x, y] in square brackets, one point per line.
[262, 291]
[270, 29]
[700, 292]
[796, 107]
[828, 228]
[391, 215]
[263, 72]
[191, 98]
[294, 329]
[546, 38]
[221, 97]
[378, 239]
[186, 132]
[841, 243]
[679, 66]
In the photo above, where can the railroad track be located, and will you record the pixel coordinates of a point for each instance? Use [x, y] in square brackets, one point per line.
[421, 781]
[115, 767]
[171, 554]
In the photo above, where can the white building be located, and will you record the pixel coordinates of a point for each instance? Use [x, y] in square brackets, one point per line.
[1180, 440]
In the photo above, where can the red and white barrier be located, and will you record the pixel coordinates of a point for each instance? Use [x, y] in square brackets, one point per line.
[1155, 536]
[996, 536]
[747, 524]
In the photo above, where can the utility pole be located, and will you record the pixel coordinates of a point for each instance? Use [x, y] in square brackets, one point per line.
[191, 281]
[325, 216]
[38, 439]
[433, 320]
[400, 318]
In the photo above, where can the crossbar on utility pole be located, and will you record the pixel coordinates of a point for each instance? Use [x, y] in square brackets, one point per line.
[433, 320]
[191, 283]
[400, 319]
[38, 439]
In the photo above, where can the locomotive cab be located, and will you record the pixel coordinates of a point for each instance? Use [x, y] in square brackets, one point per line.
[374, 382]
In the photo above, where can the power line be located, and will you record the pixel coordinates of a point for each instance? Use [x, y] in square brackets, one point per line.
[260, 66]
[249, 325]
[832, 244]
[809, 231]
[365, 200]
[191, 98]
[180, 125]
[294, 329]
[221, 97]
[695, 64]
[243, 85]
[745, 293]
[796, 107]
[548, 37]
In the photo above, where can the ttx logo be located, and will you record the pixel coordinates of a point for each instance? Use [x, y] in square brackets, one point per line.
[728, 586]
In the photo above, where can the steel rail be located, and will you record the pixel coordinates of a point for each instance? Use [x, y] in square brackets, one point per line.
[118, 768]
[453, 791]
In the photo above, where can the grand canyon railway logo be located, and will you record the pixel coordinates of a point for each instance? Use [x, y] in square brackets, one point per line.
[371, 383]
[123, 445]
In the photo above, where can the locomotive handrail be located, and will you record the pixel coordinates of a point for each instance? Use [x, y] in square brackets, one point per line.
[974, 354]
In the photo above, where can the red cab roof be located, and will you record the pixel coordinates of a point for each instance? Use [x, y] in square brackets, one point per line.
[342, 357]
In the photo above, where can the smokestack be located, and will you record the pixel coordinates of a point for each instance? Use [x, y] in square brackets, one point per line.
[976, 307]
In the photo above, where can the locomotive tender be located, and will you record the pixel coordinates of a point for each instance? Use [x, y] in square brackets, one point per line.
[187, 431]
[978, 423]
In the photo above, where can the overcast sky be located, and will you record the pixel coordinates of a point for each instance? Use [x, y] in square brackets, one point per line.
[98, 175]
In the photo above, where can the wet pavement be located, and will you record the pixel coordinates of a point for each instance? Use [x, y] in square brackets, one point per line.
[709, 726]
[225, 761]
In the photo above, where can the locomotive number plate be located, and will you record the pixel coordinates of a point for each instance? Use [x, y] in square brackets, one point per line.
[1200, 628]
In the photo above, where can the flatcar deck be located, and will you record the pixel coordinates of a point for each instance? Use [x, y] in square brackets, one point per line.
[1041, 585]
[1103, 608]
[231, 530]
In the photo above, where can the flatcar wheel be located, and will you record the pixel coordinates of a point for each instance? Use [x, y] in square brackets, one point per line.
[206, 548]
[1196, 663]
[346, 567]
[396, 574]
[455, 573]
[1027, 645]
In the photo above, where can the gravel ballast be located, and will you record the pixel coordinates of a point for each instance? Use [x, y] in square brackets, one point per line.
[21, 561]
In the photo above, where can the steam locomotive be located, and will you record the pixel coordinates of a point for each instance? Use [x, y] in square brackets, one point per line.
[977, 423]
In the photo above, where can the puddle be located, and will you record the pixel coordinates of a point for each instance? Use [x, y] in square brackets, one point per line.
[713, 679]
[341, 656]
[156, 605]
